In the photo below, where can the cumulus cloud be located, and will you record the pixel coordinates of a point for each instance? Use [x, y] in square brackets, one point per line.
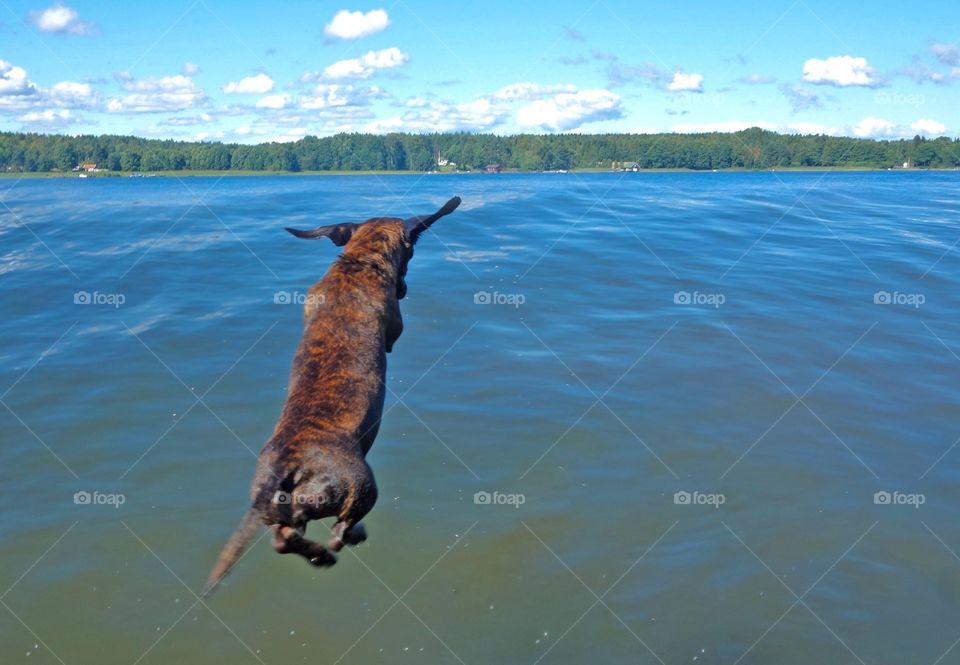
[840, 70]
[946, 54]
[62, 19]
[570, 110]
[189, 69]
[476, 116]
[877, 128]
[70, 94]
[326, 96]
[273, 101]
[928, 127]
[686, 82]
[48, 118]
[871, 127]
[18, 92]
[156, 95]
[251, 85]
[353, 25]
[363, 67]
[800, 98]
[14, 83]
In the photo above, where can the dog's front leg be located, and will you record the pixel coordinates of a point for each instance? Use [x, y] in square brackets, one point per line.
[394, 326]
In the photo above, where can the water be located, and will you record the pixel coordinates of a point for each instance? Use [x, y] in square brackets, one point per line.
[781, 398]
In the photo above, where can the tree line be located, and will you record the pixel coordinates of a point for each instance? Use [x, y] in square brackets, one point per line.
[749, 149]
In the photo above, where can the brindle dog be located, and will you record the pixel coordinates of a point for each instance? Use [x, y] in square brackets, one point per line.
[314, 466]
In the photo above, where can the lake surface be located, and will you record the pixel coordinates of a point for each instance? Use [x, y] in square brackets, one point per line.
[714, 416]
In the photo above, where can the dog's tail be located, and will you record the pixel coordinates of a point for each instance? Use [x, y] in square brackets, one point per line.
[232, 551]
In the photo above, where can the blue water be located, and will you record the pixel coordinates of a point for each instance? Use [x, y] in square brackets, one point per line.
[781, 347]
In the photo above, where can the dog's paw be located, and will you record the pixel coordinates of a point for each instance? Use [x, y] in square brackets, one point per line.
[355, 535]
[324, 560]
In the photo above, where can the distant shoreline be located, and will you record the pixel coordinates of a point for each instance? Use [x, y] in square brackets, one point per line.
[67, 175]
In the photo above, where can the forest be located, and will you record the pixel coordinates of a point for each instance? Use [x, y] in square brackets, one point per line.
[749, 149]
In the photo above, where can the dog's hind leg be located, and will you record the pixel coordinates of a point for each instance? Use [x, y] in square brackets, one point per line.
[345, 533]
[288, 540]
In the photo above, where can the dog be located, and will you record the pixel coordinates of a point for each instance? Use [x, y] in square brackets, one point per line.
[314, 464]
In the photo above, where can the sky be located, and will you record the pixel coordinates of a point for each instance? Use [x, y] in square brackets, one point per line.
[251, 72]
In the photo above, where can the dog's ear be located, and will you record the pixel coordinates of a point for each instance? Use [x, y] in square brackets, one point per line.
[338, 233]
[417, 225]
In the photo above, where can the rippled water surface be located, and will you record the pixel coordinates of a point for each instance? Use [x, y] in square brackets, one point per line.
[686, 391]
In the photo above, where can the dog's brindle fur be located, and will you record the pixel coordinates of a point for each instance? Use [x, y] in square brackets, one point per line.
[313, 466]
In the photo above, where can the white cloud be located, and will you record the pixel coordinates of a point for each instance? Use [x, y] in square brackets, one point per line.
[840, 70]
[353, 25]
[72, 94]
[14, 82]
[189, 69]
[252, 85]
[154, 95]
[336, 95]
[273, 101]
[476, 116]
[365, 66]
[48, 117]
[18, 92]
[686, 82]
[61, 18]
[928, 127]
[565, 111]
[528, 91]
[876, 128]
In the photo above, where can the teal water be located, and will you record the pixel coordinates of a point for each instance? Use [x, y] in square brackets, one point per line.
[687, 391]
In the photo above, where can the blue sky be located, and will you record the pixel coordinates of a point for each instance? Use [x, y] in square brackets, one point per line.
[249, 72]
